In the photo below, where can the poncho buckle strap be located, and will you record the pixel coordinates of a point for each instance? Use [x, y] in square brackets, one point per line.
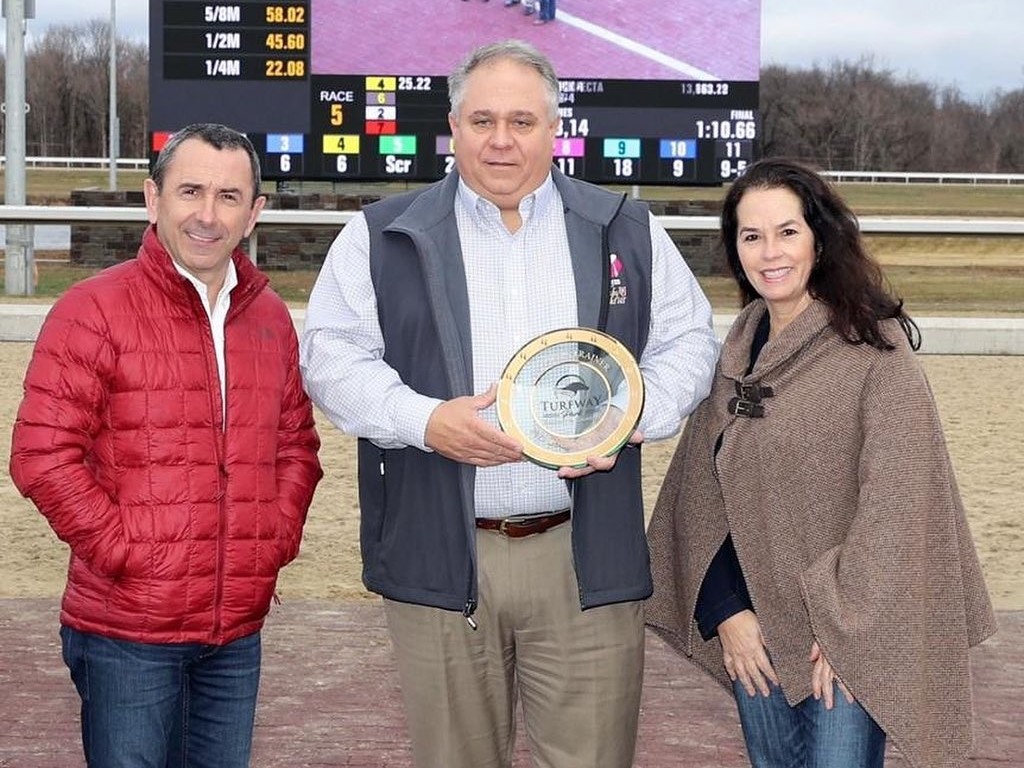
[738, 407]
[749, 398]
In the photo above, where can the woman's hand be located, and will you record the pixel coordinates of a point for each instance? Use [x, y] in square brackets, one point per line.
[822, 676]
[744, 654]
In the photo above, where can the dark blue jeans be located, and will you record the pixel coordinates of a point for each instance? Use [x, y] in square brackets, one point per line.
[808, 735]
[164, 706]
[546, 10]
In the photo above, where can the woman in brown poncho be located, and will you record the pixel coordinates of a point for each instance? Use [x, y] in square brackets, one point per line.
[809, 546]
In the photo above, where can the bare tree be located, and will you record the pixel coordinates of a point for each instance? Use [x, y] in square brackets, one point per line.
[92, 85]
[133, 98]
[67, 84]
[1008, 130]
[960, 136]
[853, 116]
[53, 125]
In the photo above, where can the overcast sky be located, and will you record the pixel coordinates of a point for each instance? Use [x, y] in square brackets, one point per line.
[975, 45]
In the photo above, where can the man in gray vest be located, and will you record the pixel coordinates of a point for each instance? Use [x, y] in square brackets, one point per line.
[501, 578]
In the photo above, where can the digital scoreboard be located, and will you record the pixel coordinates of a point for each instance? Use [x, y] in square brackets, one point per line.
[663, 92]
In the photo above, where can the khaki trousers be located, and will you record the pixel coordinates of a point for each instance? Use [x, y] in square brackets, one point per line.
[578, 673]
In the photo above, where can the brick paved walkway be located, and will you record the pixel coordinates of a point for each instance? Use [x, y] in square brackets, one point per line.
[330, 697]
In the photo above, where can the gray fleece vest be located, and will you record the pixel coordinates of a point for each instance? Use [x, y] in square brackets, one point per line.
[417, 529]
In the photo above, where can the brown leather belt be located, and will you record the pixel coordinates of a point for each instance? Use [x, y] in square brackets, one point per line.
[514, 527]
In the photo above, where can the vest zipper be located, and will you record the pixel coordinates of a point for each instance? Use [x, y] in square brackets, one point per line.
[468, 613]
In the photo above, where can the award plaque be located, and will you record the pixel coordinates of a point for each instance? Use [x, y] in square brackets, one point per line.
[569, 394]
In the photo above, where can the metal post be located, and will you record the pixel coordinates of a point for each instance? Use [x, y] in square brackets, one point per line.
[115, 127]
[18, 270]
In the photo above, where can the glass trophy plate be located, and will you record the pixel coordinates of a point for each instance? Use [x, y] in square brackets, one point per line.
[569, 394]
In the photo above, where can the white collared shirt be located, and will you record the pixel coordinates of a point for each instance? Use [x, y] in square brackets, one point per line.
[520, 286]
[217, 314]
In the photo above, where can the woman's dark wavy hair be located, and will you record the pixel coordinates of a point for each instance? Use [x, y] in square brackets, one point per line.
[845, 276]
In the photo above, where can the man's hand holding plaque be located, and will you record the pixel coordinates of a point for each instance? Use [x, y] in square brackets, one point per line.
[569, 395]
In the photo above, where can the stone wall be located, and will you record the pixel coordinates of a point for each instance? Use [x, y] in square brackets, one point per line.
[101, 244]
[699, 248]
[295, 247]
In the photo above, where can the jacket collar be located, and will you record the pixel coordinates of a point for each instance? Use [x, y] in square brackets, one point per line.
[600, 209]
[157, 264]
[801, 331]
[429, 208]
[438, 201]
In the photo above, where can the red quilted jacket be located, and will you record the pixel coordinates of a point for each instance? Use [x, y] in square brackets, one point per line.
[177, 523]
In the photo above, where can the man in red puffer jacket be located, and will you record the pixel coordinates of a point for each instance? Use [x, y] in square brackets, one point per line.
[165, 435]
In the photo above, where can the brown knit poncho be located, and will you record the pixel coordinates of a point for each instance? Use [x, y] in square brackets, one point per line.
[845, 514]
